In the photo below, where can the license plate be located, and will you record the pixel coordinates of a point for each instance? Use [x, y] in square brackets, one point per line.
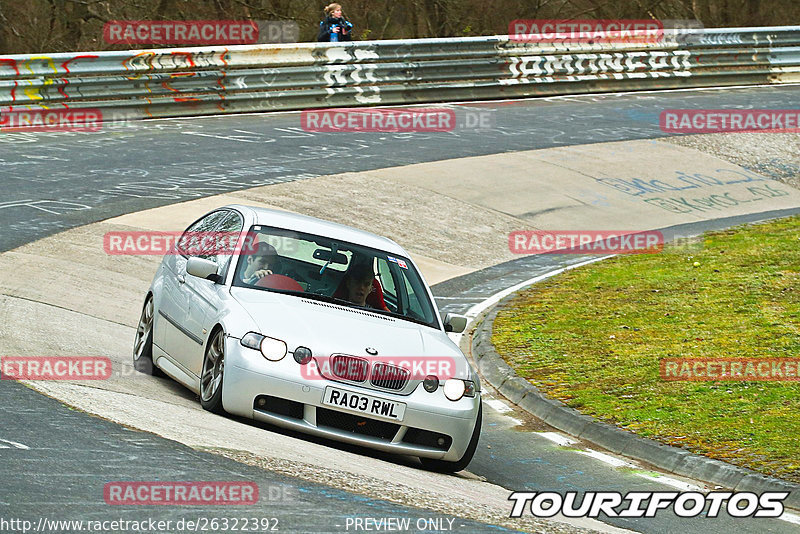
[366, 404]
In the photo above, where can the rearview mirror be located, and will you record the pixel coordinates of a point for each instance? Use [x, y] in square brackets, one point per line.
[325, 255]
[201, 267]
[454, 323]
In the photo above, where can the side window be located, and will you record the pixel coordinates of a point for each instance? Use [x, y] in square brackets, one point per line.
[386, 279]
[191, 242]
[228, 234]
[415, 308]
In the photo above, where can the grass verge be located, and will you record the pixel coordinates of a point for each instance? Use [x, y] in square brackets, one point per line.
[593, 337]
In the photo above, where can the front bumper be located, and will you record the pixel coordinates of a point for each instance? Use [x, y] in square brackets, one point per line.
[276, 392]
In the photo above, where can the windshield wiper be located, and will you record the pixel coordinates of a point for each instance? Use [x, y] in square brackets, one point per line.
[398, 315]
[325, 298]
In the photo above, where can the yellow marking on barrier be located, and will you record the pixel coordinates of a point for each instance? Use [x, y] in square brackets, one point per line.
[148, 59]
[33, 92]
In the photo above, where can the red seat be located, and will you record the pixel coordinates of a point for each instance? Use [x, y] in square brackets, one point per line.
[279, 281]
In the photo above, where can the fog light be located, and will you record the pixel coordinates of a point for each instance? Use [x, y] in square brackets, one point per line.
[302, 355]
[440, 441]
[431, 383]
[262, 401]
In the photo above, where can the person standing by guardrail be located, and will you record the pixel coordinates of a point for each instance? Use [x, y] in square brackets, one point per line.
[335, 27]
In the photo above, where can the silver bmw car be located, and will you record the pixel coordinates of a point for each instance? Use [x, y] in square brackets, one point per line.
[312, 326]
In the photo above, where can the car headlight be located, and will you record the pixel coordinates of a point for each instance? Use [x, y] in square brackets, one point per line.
[455, 388]
[272, 349]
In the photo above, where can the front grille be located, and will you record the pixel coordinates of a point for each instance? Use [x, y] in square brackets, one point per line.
[350, 368]
[356, 424]
[426, 438]
[389, 376]
[278, 406]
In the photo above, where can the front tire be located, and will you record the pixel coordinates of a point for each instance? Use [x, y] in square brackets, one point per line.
[143, 342]
[444, 466]
[213, 372]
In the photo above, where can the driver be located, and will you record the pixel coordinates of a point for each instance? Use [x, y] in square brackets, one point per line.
[259, 264]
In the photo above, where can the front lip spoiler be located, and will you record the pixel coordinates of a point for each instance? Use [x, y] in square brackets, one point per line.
[395, 446]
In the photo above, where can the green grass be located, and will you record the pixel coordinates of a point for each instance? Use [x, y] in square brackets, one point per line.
[593, 337]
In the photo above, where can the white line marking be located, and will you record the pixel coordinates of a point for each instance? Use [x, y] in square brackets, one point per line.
[558, 439]
[477, 309]
[498, 405]
[790, 518]
[15, 444]
[606, 458]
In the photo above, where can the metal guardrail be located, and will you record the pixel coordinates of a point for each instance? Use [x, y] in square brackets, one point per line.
[197, 81]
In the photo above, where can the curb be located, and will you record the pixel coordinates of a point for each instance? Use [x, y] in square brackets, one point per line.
[558, 415]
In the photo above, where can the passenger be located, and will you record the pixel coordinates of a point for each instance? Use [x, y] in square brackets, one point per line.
[259, 264]
[359, 284]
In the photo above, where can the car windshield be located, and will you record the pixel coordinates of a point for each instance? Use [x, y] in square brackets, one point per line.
[322, 268]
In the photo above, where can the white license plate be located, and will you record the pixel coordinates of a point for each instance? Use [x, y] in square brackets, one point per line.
[366, 404]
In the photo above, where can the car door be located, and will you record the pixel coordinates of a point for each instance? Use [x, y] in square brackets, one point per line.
[206, 296]
[174, 307]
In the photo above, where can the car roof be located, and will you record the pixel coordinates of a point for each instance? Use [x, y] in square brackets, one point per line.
[312, 225]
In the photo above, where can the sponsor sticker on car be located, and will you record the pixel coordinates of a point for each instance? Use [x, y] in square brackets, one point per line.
[366, 404]
[398, 261]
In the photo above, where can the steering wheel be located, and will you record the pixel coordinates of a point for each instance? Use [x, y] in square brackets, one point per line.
[279, 281]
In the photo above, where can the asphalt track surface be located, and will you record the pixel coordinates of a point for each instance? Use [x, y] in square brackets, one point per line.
[62, 479]
[58, 181]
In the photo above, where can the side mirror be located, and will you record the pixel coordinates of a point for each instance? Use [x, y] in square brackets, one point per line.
[454, 323]
[202, 268]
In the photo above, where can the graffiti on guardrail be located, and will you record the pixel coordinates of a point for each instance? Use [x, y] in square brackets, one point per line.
[185, 81]
[655, 62]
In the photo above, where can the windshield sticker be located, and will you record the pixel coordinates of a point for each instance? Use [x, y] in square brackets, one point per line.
[401, 263]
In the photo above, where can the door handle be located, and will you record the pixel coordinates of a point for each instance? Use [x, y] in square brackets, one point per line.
[181, 278]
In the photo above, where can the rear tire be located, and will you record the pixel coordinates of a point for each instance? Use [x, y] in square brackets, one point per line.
[443, 466]
[212, 374]
[143, 342]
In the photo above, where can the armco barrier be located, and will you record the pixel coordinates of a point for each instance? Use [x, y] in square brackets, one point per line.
[196, 81]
